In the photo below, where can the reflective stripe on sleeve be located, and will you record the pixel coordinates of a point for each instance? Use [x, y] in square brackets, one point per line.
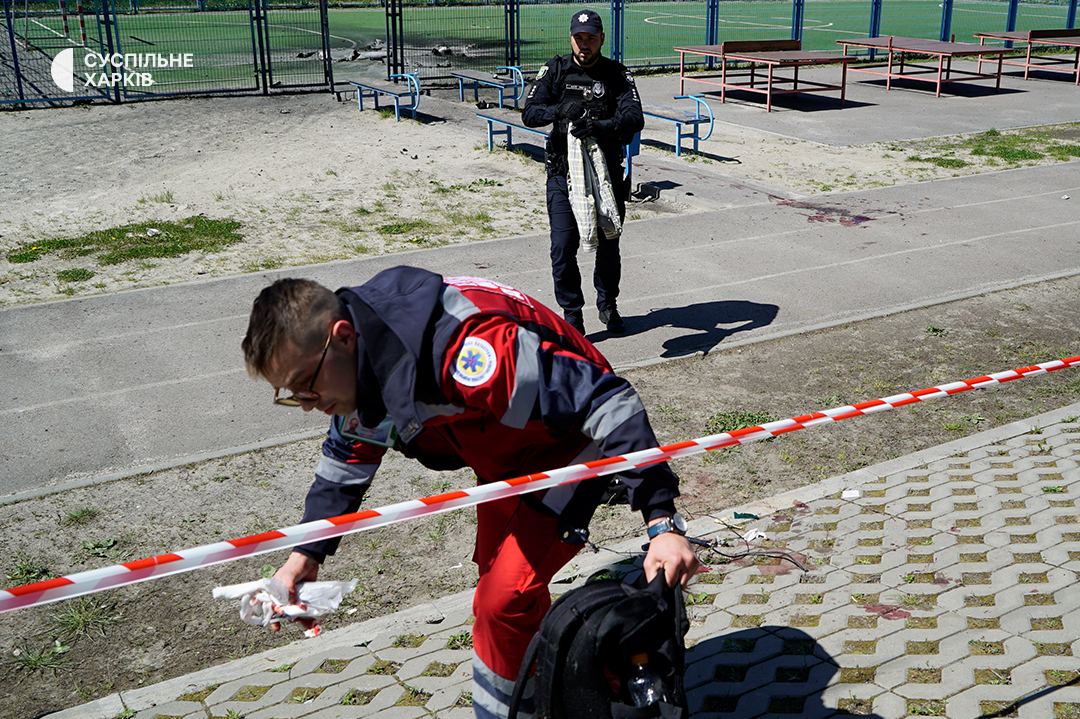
[338, 472]
[526, 379]
[613, 413]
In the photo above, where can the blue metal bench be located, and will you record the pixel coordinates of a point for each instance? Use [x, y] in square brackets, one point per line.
[688, 125]
[504, 125]
[502, 83]
[409, 91]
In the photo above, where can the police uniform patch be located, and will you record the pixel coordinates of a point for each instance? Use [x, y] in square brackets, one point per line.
[542, 72]
[598, 89]
[475, 363]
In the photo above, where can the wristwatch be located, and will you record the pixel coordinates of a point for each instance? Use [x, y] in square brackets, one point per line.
[675, 523]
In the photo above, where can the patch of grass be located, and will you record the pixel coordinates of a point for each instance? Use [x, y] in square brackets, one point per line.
[303, 695]
[197, 695]
[403, 227]
[926, 707]
[77, 517]
[939, 161]
[479, 221]
[1063, 153]
[461, 640]
[108, 548]
[408, 641]
[126, 714]
[413, 697]
[728, 421]
[421, 241]
[358, 697]
[439, 669]
[84, 617]
[78, 274]
[48, 658]
[935, 331]
[384, 667]
[270, 263]
[165, 197]
[27, 570]
[138, 241]
[332, 666]
[249, 693]
[464, 700]
[1011, 148]
[282, 668]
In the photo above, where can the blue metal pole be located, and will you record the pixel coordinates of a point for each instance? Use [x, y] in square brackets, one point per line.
[946, 19]
[1010, 22]
[9, 19]
[797, 8]
[617, 47]
[712, 27]
[875, 21]
[1071, 21]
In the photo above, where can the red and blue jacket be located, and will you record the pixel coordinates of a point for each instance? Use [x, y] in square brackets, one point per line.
[476, 374]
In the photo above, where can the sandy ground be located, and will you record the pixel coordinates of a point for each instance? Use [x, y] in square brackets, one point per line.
[312, 180]
[168, 627]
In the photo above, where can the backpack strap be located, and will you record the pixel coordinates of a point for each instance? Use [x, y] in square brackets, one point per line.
[523, 675]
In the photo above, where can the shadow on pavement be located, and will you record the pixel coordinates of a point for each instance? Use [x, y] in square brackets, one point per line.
[764, 671]
[705, 318]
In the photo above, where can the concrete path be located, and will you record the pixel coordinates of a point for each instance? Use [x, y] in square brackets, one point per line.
[944, 585]
[107, 385]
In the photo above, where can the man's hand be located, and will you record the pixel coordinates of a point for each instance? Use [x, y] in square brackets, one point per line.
[587, 126]
[671, 553]
[571, 110]
[582, 128]
[299, 567]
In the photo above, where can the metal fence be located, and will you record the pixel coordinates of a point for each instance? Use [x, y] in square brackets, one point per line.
[263, 46]
[59, 52]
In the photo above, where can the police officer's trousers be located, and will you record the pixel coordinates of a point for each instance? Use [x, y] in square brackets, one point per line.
[565, 241]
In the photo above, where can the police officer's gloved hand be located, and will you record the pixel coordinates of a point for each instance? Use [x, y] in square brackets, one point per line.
[588, 127]
[571, 110]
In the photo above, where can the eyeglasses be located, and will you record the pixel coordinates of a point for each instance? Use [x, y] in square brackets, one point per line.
[297, 398]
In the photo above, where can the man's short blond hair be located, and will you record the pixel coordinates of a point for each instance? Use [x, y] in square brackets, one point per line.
[290, 310]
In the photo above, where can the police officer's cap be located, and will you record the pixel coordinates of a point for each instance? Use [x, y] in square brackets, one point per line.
[586, 21]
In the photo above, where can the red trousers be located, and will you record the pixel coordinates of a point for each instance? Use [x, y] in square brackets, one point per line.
[518, 551]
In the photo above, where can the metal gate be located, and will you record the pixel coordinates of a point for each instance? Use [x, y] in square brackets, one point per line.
[122, 50]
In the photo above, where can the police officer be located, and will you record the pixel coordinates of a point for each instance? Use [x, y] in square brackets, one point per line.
[587, 95]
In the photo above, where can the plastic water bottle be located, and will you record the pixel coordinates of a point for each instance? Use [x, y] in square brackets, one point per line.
[644, 687]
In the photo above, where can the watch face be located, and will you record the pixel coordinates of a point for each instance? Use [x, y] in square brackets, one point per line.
[678, 522]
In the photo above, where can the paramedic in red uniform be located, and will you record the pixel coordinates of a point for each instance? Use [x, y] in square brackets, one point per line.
[455, 372]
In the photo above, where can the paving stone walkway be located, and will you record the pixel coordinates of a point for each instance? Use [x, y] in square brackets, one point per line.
[939, 584]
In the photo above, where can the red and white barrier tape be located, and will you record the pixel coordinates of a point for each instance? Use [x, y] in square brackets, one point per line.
[96, 580]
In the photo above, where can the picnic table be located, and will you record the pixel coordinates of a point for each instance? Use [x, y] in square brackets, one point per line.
[900, 48]
[773, 55]
[1059, 37]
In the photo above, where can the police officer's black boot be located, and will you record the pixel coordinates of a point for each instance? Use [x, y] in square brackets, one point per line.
[613, 320]
[575, 319]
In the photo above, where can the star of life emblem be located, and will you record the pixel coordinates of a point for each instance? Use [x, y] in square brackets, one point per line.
[475, 363]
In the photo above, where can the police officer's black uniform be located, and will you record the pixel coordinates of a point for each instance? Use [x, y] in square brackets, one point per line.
[606, 92]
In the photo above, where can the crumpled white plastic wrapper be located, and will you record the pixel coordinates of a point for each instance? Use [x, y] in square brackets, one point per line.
[266, 601]
[754, 534]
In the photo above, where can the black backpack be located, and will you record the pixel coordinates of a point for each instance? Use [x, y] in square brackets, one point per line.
[583, 648]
